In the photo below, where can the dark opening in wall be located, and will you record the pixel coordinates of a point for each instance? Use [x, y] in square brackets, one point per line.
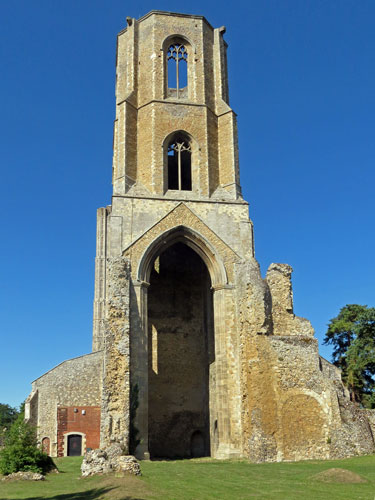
[181, 350]
[179, 164]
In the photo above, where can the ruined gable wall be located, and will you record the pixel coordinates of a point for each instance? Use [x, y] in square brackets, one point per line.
[75, 382]
[345, 428]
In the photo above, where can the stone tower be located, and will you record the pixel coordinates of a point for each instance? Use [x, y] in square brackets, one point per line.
[174, 233]
[194, 354]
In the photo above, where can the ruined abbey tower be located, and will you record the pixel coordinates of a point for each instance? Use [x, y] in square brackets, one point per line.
[194, 353]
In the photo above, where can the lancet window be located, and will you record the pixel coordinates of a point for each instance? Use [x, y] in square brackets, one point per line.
[179, 163]
[177, 61]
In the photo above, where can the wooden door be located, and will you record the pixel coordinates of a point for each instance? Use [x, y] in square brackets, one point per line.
[74, 445]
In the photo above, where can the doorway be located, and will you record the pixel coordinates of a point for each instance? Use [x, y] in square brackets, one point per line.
[74, 445]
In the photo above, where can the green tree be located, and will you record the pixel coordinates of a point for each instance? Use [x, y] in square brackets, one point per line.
[21, 452]
[8, 415]
[352, 335]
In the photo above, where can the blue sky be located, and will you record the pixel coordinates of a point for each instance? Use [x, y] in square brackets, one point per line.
[302, 80]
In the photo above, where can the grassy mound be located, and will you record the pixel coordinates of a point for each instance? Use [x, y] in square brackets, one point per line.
[337, 475]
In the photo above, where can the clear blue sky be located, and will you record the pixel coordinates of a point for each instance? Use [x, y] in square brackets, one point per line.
[302, 80]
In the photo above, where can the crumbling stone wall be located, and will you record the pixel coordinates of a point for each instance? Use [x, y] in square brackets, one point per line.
[115, 403]
[284, 321]
[295, 405]
[370, 416]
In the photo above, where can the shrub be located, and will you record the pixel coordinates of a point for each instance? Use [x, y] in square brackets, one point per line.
[21, 452]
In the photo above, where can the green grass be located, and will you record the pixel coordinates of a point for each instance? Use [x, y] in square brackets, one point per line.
[201, 480]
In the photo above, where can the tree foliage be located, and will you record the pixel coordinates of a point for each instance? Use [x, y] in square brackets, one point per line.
[352, 335]
[21, 452]
[8, 415]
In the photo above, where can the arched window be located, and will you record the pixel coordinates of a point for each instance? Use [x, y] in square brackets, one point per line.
[177, 61]
[179, 162]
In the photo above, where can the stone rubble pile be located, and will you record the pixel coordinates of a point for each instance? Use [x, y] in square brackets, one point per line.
[24, 476]
[110, 460]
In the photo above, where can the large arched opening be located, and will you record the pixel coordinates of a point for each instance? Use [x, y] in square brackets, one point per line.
[181, 353]
[179, 348]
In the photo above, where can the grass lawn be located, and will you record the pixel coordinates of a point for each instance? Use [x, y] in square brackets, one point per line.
[200, 480]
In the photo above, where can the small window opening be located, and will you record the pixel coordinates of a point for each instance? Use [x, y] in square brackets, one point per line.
[179, 165]
[177, 58]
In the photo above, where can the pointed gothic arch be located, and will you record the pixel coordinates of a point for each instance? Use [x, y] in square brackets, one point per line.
[181, 161]
[178, 54]
[220, 292]
[196, 242]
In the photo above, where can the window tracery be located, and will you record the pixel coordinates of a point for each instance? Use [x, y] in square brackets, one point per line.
[179, 163]
[177, 59]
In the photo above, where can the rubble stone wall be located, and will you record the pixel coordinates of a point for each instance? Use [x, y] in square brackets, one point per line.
[75, 382]
[115, 403]
[295, 405]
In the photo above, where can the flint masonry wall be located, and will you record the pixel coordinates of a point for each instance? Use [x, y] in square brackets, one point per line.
[75, 382]
[286, 414]
[351, 430]
[295, 405]
[115, 382]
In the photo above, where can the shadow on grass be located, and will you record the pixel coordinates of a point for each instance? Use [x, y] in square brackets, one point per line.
[84, 495]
